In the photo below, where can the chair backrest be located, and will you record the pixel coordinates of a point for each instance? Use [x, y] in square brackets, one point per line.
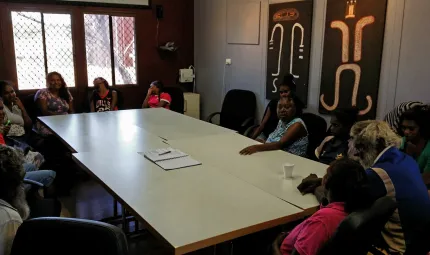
[238, 106]
[30, 107]
[120, 103]
[53, 236]
[177, 104]
[317, 129]
[360, 230]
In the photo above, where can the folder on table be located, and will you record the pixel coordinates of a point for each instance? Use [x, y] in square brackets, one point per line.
[169, 158]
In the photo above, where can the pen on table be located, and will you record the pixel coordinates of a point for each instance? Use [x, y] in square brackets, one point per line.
[164, 153]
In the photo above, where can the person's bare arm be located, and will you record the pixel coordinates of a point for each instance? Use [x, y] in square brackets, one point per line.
[71, 107]
[92, 109]
[162, 104]
[114, 100]
[28, 124]
[43, 107]
[263, 123]
[296, 131]
[145, 102]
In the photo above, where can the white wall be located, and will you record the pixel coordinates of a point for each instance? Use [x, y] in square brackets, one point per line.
[405, 73]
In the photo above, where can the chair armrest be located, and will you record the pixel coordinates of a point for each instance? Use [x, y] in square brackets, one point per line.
[248, 122]
[250, 130]
[209, 119]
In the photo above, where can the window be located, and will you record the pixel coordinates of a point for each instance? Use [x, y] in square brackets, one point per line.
[43, 44]
[110, 48]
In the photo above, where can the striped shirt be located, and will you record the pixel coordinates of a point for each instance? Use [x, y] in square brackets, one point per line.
[393, 117]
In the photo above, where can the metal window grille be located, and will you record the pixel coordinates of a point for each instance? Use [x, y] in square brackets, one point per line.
[43, 43]
[110, 48]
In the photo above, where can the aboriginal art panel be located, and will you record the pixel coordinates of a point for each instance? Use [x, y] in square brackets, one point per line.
[290, 30]
[354, 38]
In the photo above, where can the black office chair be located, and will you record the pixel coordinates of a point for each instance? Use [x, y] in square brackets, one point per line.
[53, 236]
[177, 104]
[317, 130]
[358, 232]
[268, 129]
[238, 110]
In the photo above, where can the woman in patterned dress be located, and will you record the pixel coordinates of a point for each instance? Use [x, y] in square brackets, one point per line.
[290, 135]
[54, 100]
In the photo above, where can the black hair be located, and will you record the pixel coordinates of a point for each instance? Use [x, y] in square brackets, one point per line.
[63, 91]
[3, 85]
[346, 116]
[421, 116]
[104, 81]
[289, 81]
[347, 182]
[159, 85]
[298, 103]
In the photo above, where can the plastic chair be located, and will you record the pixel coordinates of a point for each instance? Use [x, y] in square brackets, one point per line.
[238, 110]
[53, 236]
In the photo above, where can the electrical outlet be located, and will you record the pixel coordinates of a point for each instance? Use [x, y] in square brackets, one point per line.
[228, 61]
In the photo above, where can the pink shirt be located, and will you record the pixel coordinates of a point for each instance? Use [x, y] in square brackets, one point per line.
[308, 237]
[153, 100]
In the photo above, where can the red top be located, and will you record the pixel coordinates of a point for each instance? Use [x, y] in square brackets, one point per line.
[2, 141]
[309, 236]
[153, 100]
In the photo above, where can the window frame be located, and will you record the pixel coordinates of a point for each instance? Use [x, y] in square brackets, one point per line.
[78, 39]
[113, 14]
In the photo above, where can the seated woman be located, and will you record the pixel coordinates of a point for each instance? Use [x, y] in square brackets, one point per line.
[345, 183]
[15, 113]
[45, 177]
[270, 118]
[335, 146]
[415, 129]
[156, 98]
[54, 100]
[290, 135]
[103, 98]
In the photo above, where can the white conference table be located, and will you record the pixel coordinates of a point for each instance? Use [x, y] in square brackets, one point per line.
[263, 170]
[227, 197]
[190, 208]
[168, 124]
[98, 131]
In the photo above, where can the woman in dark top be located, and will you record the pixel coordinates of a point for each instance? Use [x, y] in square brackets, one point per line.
[270, 118]
[335, 146]
[415, 129]
[103, 99]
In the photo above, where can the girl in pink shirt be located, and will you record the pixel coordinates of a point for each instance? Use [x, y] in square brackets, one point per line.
[156, 97]
[345, 185]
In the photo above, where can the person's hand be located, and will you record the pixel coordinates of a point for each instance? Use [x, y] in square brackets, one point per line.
[309, 184]
[278, 241]
[18, 102]
[6, 129]
[150, 90]
[249, 150]
[260, 140]
[411, 149]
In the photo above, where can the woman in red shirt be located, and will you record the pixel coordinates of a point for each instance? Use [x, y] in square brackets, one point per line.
[156, 98]
[345, 185]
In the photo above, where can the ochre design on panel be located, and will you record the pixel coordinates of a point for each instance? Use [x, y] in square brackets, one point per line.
[302, 31]
[301, 49]
[286, 15]
[358, 45]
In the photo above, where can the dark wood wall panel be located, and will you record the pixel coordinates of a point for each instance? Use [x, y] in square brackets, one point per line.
[177, 25]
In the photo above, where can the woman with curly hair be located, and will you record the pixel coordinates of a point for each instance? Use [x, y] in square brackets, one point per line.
[54, 100]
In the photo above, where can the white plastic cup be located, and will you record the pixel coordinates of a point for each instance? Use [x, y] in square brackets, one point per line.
[288, 170]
